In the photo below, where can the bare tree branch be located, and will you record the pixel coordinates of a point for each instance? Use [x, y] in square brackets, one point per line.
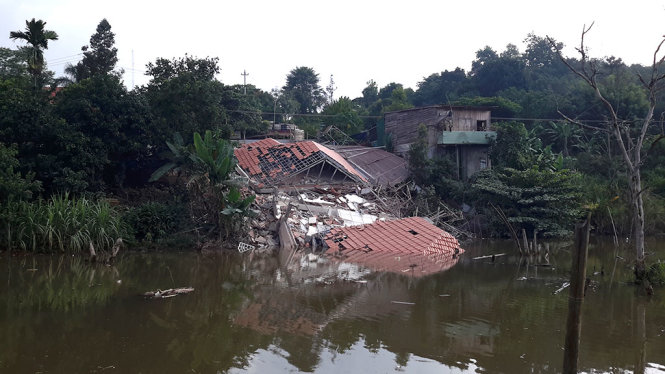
[652, 146]
[581, 124]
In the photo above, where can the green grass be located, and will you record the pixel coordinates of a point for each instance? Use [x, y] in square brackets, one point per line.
[59, 224]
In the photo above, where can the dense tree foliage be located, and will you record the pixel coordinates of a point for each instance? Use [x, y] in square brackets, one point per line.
[529, 183]
[302, 84]
[185, 97]
[343, 114]
[99, 58]
[13, 185]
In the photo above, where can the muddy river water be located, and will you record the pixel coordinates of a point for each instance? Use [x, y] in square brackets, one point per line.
[255, 314]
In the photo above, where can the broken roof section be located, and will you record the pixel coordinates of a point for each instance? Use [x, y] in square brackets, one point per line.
[411, 246]
[274, 163]
[377, 165]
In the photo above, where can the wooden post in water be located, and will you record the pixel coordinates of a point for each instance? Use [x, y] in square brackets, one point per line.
[577, 280]
[525, 240]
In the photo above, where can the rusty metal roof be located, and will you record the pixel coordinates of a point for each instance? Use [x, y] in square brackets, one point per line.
[377, 165]
[271, 162]
[410, 246]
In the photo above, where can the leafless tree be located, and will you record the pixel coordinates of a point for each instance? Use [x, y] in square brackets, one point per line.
[629, 135]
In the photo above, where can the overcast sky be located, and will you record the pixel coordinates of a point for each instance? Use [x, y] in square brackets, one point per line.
[355, 40]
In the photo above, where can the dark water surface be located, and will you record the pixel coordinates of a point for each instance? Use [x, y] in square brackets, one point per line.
[251, 314]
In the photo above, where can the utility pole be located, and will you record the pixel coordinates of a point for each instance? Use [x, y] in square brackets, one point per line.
[275, 96]
[132, 69]
[244, 81]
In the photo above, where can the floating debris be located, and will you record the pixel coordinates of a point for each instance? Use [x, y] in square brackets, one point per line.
[403, 302]
[489, 256]
[171, 292]
[563, 286]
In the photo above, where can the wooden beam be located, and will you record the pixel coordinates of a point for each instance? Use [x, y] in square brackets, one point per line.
[320, 171]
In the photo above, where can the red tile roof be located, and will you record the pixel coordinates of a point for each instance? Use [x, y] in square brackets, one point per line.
[410, 245]
[269, 160]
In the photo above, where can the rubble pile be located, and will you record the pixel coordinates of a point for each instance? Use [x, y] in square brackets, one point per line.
[310, 214]
[263, 226]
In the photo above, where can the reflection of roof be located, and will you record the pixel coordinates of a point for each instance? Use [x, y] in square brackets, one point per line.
[271, 161]
[466, 137]
[379, 166]
[411, 245]
[273, 312]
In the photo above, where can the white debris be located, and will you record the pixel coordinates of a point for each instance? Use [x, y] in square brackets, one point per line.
[244, 247]
[352, 218]
[355, 199]
[312, 257]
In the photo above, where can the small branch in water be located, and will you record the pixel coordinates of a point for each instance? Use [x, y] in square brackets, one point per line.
[93, 254]
[171, 292]
[116, 248]
[488, 256]
[563, 287]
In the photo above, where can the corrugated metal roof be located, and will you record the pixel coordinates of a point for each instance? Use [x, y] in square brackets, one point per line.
[466, 137]
[377, 165]
[410, 245]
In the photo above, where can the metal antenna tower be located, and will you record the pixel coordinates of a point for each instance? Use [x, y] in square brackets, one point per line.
[132, 69]
[244, 81]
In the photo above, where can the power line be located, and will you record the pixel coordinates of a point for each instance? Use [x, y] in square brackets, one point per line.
[65, 57]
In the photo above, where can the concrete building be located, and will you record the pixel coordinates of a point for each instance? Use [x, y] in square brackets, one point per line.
[461, 133]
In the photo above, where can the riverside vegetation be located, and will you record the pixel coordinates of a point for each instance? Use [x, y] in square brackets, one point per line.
[80, 149]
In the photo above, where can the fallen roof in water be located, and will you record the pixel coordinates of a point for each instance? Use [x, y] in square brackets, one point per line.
[274, 163]
[411, 246]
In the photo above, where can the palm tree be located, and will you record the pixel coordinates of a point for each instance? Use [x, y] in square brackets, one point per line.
[38, 38]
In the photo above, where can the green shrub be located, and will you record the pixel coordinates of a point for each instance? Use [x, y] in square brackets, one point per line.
[656, 274]
[154, 221]
[13, 185]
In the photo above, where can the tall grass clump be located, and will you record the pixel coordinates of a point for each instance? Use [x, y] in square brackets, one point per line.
[60, 224]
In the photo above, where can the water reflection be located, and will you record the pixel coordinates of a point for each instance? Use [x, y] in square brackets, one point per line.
[255, 314]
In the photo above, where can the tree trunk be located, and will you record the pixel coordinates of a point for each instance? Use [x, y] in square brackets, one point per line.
[576, 296]
[638, 221]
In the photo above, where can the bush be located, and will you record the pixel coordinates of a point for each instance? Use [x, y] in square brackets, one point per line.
[656, 274]
[12, 184]
[154, 221]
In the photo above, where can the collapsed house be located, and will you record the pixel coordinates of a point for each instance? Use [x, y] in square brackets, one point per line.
[324, 200]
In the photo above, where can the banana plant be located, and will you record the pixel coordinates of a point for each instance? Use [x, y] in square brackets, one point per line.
[178, 158]
[234, 205]
[214, 157]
